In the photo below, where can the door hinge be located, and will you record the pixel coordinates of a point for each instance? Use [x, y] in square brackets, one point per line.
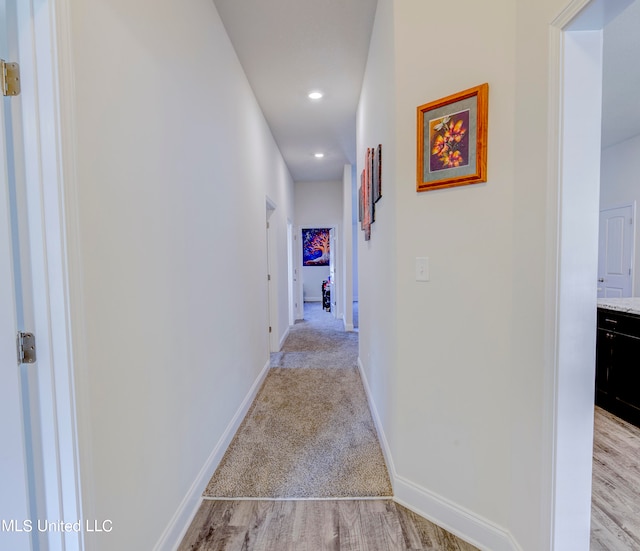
[269, 329]
[10, 75]
[26, 348]
[268, 277]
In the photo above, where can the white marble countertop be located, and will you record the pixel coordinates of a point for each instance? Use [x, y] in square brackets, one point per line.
[629, 304]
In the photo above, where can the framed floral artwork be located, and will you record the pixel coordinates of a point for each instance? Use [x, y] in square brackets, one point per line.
[452, 140]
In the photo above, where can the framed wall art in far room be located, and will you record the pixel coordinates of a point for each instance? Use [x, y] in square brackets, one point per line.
[452, 140]
[315, 246]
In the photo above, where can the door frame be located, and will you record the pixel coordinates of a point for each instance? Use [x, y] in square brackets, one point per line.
[17, 506]
[272, 303]
[51, 197]
[573, 199]
[292, 279]
[298, 262]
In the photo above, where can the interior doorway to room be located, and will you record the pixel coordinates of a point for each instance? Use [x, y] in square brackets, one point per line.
[271, 302]
[576, 99]
[318, 254]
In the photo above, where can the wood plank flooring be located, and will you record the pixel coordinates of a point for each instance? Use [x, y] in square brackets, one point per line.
[615, 509]
[331, 525]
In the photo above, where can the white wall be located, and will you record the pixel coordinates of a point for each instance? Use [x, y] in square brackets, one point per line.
[454, 331]
[347, 255]
[620, 185]
[318, 205]
[377, 281]
[457, 366]
[173, 263]
[312, 277]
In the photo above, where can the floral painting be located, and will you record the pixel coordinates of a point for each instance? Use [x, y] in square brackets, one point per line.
[315, 246]
[449, 141]
[452, 140]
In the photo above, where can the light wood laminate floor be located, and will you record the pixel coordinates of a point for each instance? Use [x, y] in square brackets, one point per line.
[615, 510]
[336, 525]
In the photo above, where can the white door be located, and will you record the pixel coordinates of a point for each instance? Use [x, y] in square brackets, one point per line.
[271, 302]
[15, 532]
[615, 252]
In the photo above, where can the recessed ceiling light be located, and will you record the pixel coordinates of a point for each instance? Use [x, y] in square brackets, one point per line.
[315, 95]
[318, 155]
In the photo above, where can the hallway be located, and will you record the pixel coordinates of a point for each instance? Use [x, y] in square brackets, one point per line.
[305, 467]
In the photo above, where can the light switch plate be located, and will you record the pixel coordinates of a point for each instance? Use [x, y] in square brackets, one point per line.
[422, 268]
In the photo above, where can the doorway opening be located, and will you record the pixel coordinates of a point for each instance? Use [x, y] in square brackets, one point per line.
[318, 268]
[576, 104]
[292, 278]
[272, 303]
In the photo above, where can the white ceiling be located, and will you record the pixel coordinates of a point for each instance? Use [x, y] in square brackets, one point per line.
[289, 48]
[621, 77]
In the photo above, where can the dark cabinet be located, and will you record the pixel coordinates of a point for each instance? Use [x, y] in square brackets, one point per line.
[604, 359]
[326, 295]
[618, 364]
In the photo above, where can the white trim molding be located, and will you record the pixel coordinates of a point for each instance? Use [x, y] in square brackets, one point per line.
[448, 515]
[48, 127]
[284, 338]
[384, 443]
[452, 517]
[575, 77]
[179, 524]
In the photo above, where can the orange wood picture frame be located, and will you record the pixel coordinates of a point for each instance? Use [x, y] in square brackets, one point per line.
[452, 140]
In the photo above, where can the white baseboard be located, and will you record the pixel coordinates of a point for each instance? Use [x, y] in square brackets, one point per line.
[284, 338]
[347, 326]
[384, 443]
[177, 527]
[466, 525]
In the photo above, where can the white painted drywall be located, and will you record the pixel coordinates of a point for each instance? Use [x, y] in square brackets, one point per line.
[458, 366]
[620, 185]
[347, 262]
[454, 331]
[318, 205]
[174, 162]
[377, 258]
[312, 278]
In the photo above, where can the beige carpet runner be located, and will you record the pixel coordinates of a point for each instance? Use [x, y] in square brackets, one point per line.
[309, 432]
